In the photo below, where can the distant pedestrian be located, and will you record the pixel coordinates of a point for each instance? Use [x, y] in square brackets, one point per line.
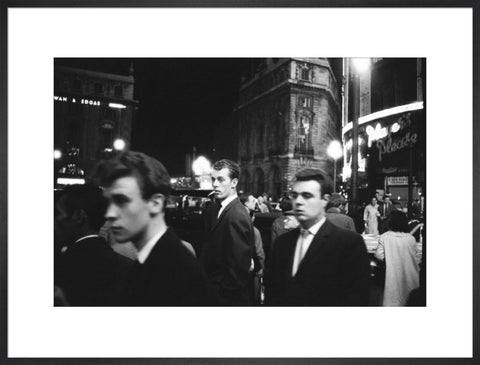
[335, 215]
[267, 201]
[385, 210]
[286, 222]
[370, 217]
[398, 249]
[262, 207]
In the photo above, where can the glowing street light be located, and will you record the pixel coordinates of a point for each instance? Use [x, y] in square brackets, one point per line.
[361, 65]
[119, 144]
[202, 167]
[334, 150]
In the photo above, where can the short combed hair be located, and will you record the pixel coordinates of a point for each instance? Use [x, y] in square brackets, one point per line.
[335, 200]
[151, 175]
[233, 168]
[87, 197]
[286, 204]
[398, 222]
[315, 175]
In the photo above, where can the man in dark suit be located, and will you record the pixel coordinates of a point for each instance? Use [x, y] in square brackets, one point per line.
[318, 264]
[87, 271]
[228, 248]
[165, 273]
[385, 210]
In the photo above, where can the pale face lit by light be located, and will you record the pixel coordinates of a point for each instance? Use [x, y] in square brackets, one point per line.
[119, 144]
[308, 205]
[223, 185]
[127, 213]
[57, 154]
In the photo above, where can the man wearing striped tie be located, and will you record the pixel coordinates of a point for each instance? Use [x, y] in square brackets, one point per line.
[318, 264]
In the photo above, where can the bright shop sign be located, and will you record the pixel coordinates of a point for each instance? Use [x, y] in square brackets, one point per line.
[397, 180]
[75, 100]
[387, 141]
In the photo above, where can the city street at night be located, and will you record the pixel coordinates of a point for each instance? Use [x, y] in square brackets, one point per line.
[360, 123]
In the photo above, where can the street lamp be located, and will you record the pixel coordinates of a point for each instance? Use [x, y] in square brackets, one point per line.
[202, 167]
[359, 66]
[119, 144]
[334, 150]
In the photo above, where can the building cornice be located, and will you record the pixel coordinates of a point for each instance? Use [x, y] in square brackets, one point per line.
[95, 74]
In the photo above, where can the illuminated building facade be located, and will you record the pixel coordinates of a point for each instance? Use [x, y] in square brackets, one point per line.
[392, 131]
[287, 114]
[93, 116]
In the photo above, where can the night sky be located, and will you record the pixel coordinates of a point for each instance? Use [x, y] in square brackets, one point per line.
[182, 103]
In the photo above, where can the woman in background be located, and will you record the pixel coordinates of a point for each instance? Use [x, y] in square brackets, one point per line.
[398, 249]
[370, 216]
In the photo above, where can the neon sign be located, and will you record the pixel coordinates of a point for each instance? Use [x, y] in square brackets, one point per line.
[393, 145]
[375, 134]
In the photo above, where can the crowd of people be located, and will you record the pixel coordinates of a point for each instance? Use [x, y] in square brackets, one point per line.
[316, 256]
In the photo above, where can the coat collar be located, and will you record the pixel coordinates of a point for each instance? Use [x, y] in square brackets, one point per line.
[228, 207]
[317, 243]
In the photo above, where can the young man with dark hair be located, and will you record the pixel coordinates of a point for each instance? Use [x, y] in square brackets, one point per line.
[165, 273]
[227, 251]
[318, 264]
[87, 271]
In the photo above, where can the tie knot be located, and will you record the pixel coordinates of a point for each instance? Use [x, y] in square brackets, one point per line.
[304, 232]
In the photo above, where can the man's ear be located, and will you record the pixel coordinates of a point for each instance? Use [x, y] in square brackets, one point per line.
[234, 182]
[324, 202]
[157, 203]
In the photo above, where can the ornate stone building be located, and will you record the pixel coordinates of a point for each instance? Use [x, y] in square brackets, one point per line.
[91, 111]
[289, 110]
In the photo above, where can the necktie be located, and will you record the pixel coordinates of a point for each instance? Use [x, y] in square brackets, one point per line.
[299, 251]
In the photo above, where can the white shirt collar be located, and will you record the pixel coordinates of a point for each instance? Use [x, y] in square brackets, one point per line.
[303, 244]
[227, 201]
[315, 228]
[142, 255]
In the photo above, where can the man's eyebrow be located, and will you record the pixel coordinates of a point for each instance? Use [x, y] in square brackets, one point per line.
[119, 195]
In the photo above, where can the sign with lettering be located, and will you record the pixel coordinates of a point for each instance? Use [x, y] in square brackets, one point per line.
[395, 144]
[74, 100]
[397, 180]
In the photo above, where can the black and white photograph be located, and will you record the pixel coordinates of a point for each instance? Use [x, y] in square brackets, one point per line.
[236, 153]
[223, 184]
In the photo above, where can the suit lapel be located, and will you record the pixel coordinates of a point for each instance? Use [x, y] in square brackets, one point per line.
[318, 241]
[290, 251]
[234, 201]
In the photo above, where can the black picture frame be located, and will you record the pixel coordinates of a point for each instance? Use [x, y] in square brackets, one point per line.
[4, 199]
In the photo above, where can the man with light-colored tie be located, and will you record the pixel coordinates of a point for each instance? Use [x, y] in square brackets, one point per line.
[318, 264]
